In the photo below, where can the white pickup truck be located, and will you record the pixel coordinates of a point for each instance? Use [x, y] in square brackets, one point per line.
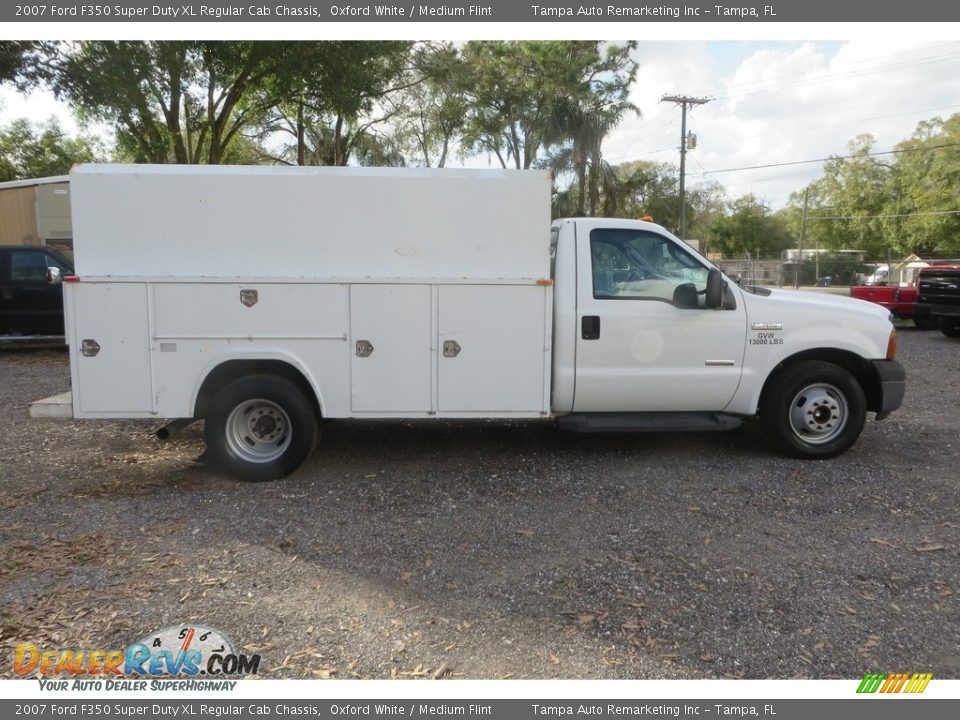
[264, 300]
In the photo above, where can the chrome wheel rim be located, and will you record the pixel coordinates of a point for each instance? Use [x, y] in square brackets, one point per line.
[818, 413]
[258, 431]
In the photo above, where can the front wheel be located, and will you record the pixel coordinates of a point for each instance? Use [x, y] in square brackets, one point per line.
[815, 410]
[261, 427]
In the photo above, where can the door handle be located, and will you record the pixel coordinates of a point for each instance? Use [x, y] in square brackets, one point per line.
[364, 348]
[451, 348]
[590, 327]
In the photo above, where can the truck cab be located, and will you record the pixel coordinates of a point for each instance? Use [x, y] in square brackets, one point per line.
[649, 335]
[31, 297]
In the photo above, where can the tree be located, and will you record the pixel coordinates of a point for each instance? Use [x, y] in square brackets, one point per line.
[641, 188]
[858, 189]
[644, 188]
[331, 98]
[903, 203]
[584, 119]
[231, 73]
[168, 101]
[434, 111]
[28, 151]
[16, 57]
[138, 88]
[517, 89]
[926, 183]
[750, 228]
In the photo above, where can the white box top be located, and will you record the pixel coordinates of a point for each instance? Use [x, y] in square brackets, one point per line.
[316, 222]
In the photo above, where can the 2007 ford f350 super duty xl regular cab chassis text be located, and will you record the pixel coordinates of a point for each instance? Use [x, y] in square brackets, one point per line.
[263, 300]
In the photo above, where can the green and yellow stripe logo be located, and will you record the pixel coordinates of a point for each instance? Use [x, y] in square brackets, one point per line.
[894, 682]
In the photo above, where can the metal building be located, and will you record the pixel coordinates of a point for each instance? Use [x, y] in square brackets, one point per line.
[36, 212]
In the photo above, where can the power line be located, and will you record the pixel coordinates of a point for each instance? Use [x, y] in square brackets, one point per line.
[795, 131]
[771, 83]
[829, 75]
[852, 67]
[834, 157]
[651, 134]
[632, 156]
[872, 217]
[804, 171]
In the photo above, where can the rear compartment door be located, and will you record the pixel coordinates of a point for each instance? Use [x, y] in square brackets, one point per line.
[390, 345]
[117, 379]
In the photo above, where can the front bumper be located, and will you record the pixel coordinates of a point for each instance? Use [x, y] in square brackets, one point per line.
[893, 386]
[937, 311]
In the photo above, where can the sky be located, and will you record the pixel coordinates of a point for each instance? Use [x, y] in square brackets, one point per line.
[771, 102]
[779, 102]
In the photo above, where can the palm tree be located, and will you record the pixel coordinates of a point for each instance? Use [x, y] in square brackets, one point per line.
[586, 123]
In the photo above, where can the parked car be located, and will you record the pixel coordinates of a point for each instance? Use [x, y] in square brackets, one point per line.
[880, 276]
[900, 300]
[938, 300]
[31, 297]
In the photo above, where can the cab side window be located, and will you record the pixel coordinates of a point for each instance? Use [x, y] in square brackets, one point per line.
[641, 265]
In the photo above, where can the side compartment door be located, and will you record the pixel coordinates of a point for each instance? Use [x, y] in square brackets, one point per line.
[494, 347]
[390, 346]
[645, 341]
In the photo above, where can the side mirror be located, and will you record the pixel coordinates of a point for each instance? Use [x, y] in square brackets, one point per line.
[53, 276]
[715, 287]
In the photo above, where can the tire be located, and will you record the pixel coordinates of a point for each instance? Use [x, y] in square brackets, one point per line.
[261, 427]
[925, 323]
[950, 328]
[815, 410]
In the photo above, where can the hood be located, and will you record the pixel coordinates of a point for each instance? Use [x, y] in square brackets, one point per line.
[805, 300]
[813, 319]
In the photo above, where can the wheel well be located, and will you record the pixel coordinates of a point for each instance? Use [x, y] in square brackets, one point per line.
[857, 366]
[225, 373]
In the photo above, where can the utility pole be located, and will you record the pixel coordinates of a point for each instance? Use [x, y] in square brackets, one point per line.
[803, 228]
[683, 101]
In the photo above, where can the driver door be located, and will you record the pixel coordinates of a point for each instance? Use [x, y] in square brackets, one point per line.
[645, 341]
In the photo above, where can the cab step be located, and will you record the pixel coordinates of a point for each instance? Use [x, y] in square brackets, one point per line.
[602, 422]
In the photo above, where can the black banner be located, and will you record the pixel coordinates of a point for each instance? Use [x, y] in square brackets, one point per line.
[298, 11]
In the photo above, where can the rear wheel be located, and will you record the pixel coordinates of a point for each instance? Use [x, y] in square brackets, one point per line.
[815, 410]
[261, 427]
[950, 328]
[924, 323]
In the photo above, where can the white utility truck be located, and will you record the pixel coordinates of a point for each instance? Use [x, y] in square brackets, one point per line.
[264, 299]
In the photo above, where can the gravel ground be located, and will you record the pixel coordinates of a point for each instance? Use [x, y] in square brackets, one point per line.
[489, 551]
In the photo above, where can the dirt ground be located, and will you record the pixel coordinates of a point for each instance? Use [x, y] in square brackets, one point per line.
[485, 550]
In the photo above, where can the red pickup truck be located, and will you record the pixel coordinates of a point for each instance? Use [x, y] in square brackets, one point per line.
[901, 301]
